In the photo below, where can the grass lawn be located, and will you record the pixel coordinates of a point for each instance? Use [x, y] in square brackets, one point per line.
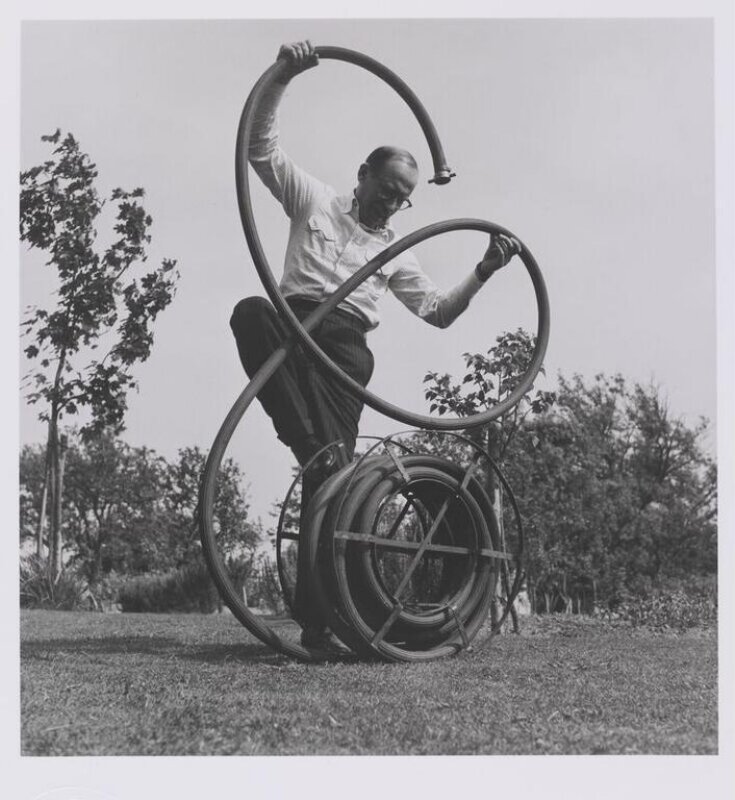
[139, 684]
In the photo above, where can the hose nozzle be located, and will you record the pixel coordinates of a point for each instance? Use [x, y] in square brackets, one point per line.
[443, 175]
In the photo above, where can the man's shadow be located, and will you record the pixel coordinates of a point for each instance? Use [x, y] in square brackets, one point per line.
[164, 647]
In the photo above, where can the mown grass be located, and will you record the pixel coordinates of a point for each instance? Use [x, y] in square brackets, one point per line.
[137, 684]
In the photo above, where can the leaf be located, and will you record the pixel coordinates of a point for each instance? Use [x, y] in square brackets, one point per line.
[53, 138]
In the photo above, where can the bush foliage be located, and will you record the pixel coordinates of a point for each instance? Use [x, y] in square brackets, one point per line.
[679, 609]
[39, 588]
[189, 589]
[618, 496]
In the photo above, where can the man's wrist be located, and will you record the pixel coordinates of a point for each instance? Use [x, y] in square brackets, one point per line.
[283, 79]
[482, 274]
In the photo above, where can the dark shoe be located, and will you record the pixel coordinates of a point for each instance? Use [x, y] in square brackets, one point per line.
[305, 448]
[322, 640]
[324, 465]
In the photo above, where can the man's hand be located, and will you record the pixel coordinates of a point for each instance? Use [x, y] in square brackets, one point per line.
[298, 56]
[502, 248]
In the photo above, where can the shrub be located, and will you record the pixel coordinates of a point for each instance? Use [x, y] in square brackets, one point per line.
[107, 589]
[188, 589]
[40, 589]
[676, 609]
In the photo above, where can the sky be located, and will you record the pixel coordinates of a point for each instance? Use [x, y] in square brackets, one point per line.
[592, 140]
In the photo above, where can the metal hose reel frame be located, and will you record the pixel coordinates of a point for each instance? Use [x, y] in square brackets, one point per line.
[340, 611]
[300, 330]
[396, 439]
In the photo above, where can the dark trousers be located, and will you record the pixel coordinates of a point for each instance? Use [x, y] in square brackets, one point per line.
[301, 398]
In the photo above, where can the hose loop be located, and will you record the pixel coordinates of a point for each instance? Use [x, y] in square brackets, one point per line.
[375, 617]
[300, 330]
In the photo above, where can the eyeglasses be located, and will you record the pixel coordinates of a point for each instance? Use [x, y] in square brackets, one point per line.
[392, 197]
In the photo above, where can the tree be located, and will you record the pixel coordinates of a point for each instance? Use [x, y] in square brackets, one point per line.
[492, 377]
[489, 379]
[237, 536]
[619, 495]
[97, 302]
[130, 511]
[32, 483]
[112, 497]
[115, 508]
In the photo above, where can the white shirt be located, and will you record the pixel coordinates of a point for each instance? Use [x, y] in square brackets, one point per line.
[327, 243]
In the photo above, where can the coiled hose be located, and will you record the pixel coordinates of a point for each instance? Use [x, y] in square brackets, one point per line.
[345, 578]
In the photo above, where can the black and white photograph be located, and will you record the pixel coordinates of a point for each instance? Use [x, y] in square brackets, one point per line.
[373, 398]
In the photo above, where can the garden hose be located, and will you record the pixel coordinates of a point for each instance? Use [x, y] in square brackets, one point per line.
[346, 577]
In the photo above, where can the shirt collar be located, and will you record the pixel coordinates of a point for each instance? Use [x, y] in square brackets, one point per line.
[347, 204]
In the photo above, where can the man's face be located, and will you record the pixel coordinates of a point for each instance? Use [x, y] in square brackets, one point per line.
[380, 195]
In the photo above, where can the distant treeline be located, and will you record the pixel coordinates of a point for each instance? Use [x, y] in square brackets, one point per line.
[618, 501]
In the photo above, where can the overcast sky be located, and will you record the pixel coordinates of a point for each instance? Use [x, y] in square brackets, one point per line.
[591, 139]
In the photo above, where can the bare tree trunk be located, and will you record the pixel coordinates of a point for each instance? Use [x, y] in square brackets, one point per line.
[42, 512]
[495, 607]
[58, 566]
[513, 609]
[59, 457]
[566, 599]
[54, 534]
[492, 442]
[53, 527]
[47, 489]
[494, 437]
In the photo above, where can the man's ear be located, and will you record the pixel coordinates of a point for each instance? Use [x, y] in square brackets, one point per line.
[362, 172]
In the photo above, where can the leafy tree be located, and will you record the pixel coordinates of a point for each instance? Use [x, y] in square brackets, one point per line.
[619, 496]
[675, 511]
[488, 380]
[116, 511]
[128, 510]
[237, 536]
[97, 303]
[32, 483]
[570, 478]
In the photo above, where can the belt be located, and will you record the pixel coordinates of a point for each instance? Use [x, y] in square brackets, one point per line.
[306, 305]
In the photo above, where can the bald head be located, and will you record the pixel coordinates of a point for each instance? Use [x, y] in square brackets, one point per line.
[382, 155]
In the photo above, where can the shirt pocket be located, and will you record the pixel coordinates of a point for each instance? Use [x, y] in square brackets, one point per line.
[320, 239]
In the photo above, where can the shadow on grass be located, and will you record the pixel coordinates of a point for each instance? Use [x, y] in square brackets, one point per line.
[165, 647]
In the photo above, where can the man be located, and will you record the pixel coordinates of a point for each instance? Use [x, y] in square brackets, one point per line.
[332, 236]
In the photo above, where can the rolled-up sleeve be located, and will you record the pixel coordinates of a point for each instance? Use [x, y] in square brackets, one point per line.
[413, 287]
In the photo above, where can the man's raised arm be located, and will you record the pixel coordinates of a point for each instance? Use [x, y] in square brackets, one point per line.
[287, 182]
